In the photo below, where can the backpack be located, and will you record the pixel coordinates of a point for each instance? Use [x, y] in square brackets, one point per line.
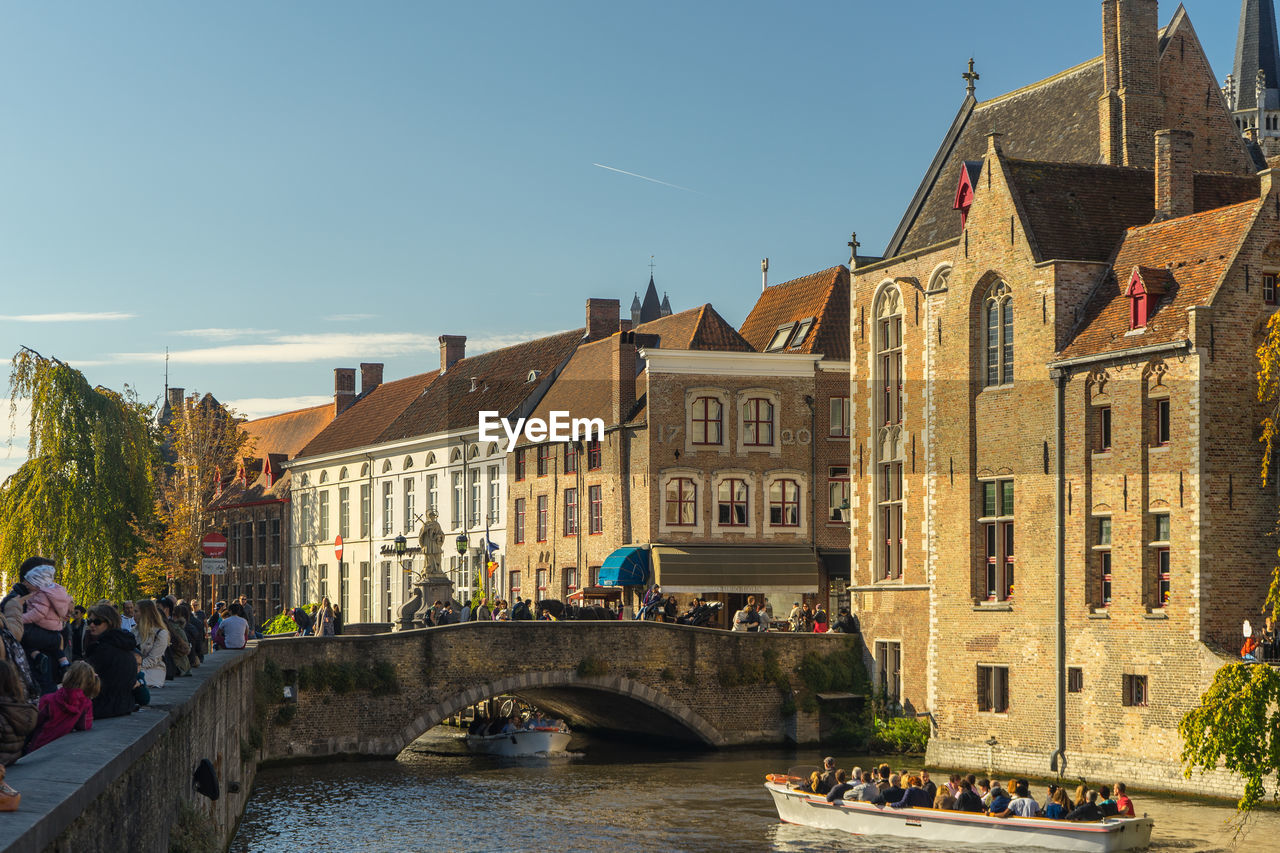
[178, 638]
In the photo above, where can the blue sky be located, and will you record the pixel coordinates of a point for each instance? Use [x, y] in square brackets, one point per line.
[272, 190]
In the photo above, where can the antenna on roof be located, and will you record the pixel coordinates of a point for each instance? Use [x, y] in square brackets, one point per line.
[651, 266]
[166, 373]
[972, 78]
[764, 274]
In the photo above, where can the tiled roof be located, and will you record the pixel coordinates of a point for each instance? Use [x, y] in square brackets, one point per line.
[822, 295]
[289, 432]
[1196, 250]
[364, 423]
[700, 328]
[501, 385]
[1054, 120]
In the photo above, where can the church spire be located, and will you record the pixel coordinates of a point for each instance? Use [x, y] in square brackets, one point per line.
[1257, 57]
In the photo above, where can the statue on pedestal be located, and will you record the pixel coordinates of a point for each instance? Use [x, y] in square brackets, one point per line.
[432, 585]
[431, 538]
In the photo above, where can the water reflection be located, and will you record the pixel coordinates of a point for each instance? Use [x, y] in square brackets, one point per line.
[604, 796]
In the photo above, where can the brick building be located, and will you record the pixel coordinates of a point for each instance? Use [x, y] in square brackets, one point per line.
[1055, 444]
[252, 510]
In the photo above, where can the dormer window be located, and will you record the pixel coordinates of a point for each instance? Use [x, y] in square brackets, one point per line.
[780, 337]
[533, 375]
[969, 172]
[1145, 286]
[802, 332]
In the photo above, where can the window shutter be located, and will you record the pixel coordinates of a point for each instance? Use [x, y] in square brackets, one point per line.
[984, 688]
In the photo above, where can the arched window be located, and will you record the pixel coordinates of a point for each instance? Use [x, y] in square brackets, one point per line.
[784, 503]
[342, 474]
[998, 313]
[681, 502]
[364, 470]
[708, 421]
[889, 355]
[386, 466]
[324, 476]
[890, 527]
[408, 462]
[731, 503]
[757, 422]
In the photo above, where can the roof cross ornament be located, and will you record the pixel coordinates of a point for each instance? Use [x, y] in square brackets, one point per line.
[651, 266]
[972, 77]
[853, 245]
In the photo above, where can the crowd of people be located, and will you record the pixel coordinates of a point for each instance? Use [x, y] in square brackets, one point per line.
[882, 786]
[63, 665]
[324, 619]
[757, 616]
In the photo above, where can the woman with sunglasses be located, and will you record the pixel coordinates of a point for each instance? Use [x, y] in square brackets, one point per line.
[112, 653]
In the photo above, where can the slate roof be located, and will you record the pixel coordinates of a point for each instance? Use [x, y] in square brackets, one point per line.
[700, 328]
[1196, 250]
[364, 423]
[821, 295]
[1054, 120]
[1256, 48]
[1080, 212]
[501, 384]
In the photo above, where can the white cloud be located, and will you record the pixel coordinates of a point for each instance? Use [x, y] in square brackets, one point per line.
[475, 346]
[261, 407]
[68, 317]
[296, 349]
[225, 334]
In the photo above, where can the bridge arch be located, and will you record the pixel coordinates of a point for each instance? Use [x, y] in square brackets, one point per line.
[562, 692]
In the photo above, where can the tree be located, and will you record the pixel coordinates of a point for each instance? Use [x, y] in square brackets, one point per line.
[84, 496]
[202, 441]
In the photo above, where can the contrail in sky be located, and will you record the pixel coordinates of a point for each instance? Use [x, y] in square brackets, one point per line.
[643, 178]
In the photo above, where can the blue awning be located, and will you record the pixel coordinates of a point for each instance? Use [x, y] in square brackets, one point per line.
[625, 567]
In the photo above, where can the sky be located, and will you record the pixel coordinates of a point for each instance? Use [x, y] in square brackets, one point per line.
[274, 190]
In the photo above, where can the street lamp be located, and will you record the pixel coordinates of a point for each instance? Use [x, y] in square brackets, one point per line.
[461, 544]
[398, 545]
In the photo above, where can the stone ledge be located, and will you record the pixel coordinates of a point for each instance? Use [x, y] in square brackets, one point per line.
[60, 781]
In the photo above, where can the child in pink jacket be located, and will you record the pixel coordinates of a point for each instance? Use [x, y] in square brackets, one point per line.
[46, 612]
[67, 709]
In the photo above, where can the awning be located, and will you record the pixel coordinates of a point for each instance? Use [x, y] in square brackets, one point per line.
[627, 566]
[742, 568]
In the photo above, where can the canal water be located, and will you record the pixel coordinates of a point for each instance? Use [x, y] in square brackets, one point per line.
[601, 796]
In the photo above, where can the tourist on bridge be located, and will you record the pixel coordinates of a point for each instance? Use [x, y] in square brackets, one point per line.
[67, 709]
[44, 612]
[337, 619]
[323, 625]
[17, 715]
[153, 641]
[233, 632]
[302, 620]
[113, 654]
[74, 633]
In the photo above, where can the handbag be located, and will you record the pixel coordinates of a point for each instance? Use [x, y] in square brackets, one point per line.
[141, 692]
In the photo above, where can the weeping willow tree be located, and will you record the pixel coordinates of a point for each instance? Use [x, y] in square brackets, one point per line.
[1236, 725]
[84, 497]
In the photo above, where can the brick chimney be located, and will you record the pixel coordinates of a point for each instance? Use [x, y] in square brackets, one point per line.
[624, 325]
[1175, 182]
[344, 389]
[370, 376]
[176, 396]
[622, 377]
[1131, 108]
[453, 348]
[602, 318]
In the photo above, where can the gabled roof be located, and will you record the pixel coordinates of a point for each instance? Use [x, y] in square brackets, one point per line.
[1080, 212]
[700, 328]
[289, 432]
[1197, 251]
[501, 384]
[1257, 49]
[364, 422]
[823, 296]
[1055, 120]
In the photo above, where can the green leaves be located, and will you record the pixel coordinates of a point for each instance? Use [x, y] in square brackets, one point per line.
[1237, 727]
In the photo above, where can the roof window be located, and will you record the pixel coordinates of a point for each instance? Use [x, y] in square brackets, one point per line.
[802, 331]
[780, 337]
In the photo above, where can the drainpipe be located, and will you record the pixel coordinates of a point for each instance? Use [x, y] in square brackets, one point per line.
[1058, 762]
[813, 479]
[373, 565]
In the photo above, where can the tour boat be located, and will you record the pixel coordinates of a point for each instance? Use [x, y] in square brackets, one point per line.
[521, 742]
[943, 827]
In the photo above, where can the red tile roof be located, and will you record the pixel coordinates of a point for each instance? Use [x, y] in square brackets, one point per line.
[287, 433]
[822, 295]
[700, 328]
[1197, 251]
[364, 423]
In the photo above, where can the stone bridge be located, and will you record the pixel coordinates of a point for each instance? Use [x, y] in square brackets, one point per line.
[373, 695]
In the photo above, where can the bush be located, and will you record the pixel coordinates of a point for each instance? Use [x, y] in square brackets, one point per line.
[283, 623]
[900, 735]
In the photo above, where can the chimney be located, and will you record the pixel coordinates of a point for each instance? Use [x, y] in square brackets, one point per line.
[1175, 183]
[344, 389]
[370, 376]
[623, 377]
[602, 318]
[176, 396]
[1131, 108]
[453, 348]
[764, 274]
[624, 325]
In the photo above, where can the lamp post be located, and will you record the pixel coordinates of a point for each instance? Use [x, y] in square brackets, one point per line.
[461, 544]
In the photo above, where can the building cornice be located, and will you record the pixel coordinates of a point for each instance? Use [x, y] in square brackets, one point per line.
[1119, 355]
[716, 363]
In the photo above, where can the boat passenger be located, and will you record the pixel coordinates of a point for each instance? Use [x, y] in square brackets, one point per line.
[811, 787]
[828, 779]
[855, 779]
[983, 790]
[870, 791]
[1106, 804]
[882, 782]
[1000, 799]
[944, 799]
[1089, 811]
[512, 725]
[914, 797]
[1059, 807]
[927, 784]
[895, 791]
[1081, 797]
[842, 787]
[1023, 805]
[1124, 805]
[967, 800]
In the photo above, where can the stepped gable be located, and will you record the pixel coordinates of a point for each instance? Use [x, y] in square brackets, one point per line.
[1055, 120]
[1197, 251]
[366, 420]
[700, 328]
[821, 295]
[501, 384]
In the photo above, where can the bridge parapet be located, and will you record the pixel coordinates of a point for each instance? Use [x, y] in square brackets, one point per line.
[374, 694]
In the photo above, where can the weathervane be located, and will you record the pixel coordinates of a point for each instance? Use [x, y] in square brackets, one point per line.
[972, 77]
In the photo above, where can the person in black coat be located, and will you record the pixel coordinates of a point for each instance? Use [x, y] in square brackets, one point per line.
[112, 653]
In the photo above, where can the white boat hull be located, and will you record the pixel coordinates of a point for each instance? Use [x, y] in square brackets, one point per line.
[938, 826]
[519, 743]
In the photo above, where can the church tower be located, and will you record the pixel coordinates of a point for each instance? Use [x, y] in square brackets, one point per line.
[1253, 89]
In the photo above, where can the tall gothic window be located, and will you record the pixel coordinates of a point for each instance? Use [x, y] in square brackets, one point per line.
[889, 355]
[998, 313]
[888, 368]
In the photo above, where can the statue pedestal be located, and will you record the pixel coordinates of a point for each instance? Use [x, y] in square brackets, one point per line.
[427, 590]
